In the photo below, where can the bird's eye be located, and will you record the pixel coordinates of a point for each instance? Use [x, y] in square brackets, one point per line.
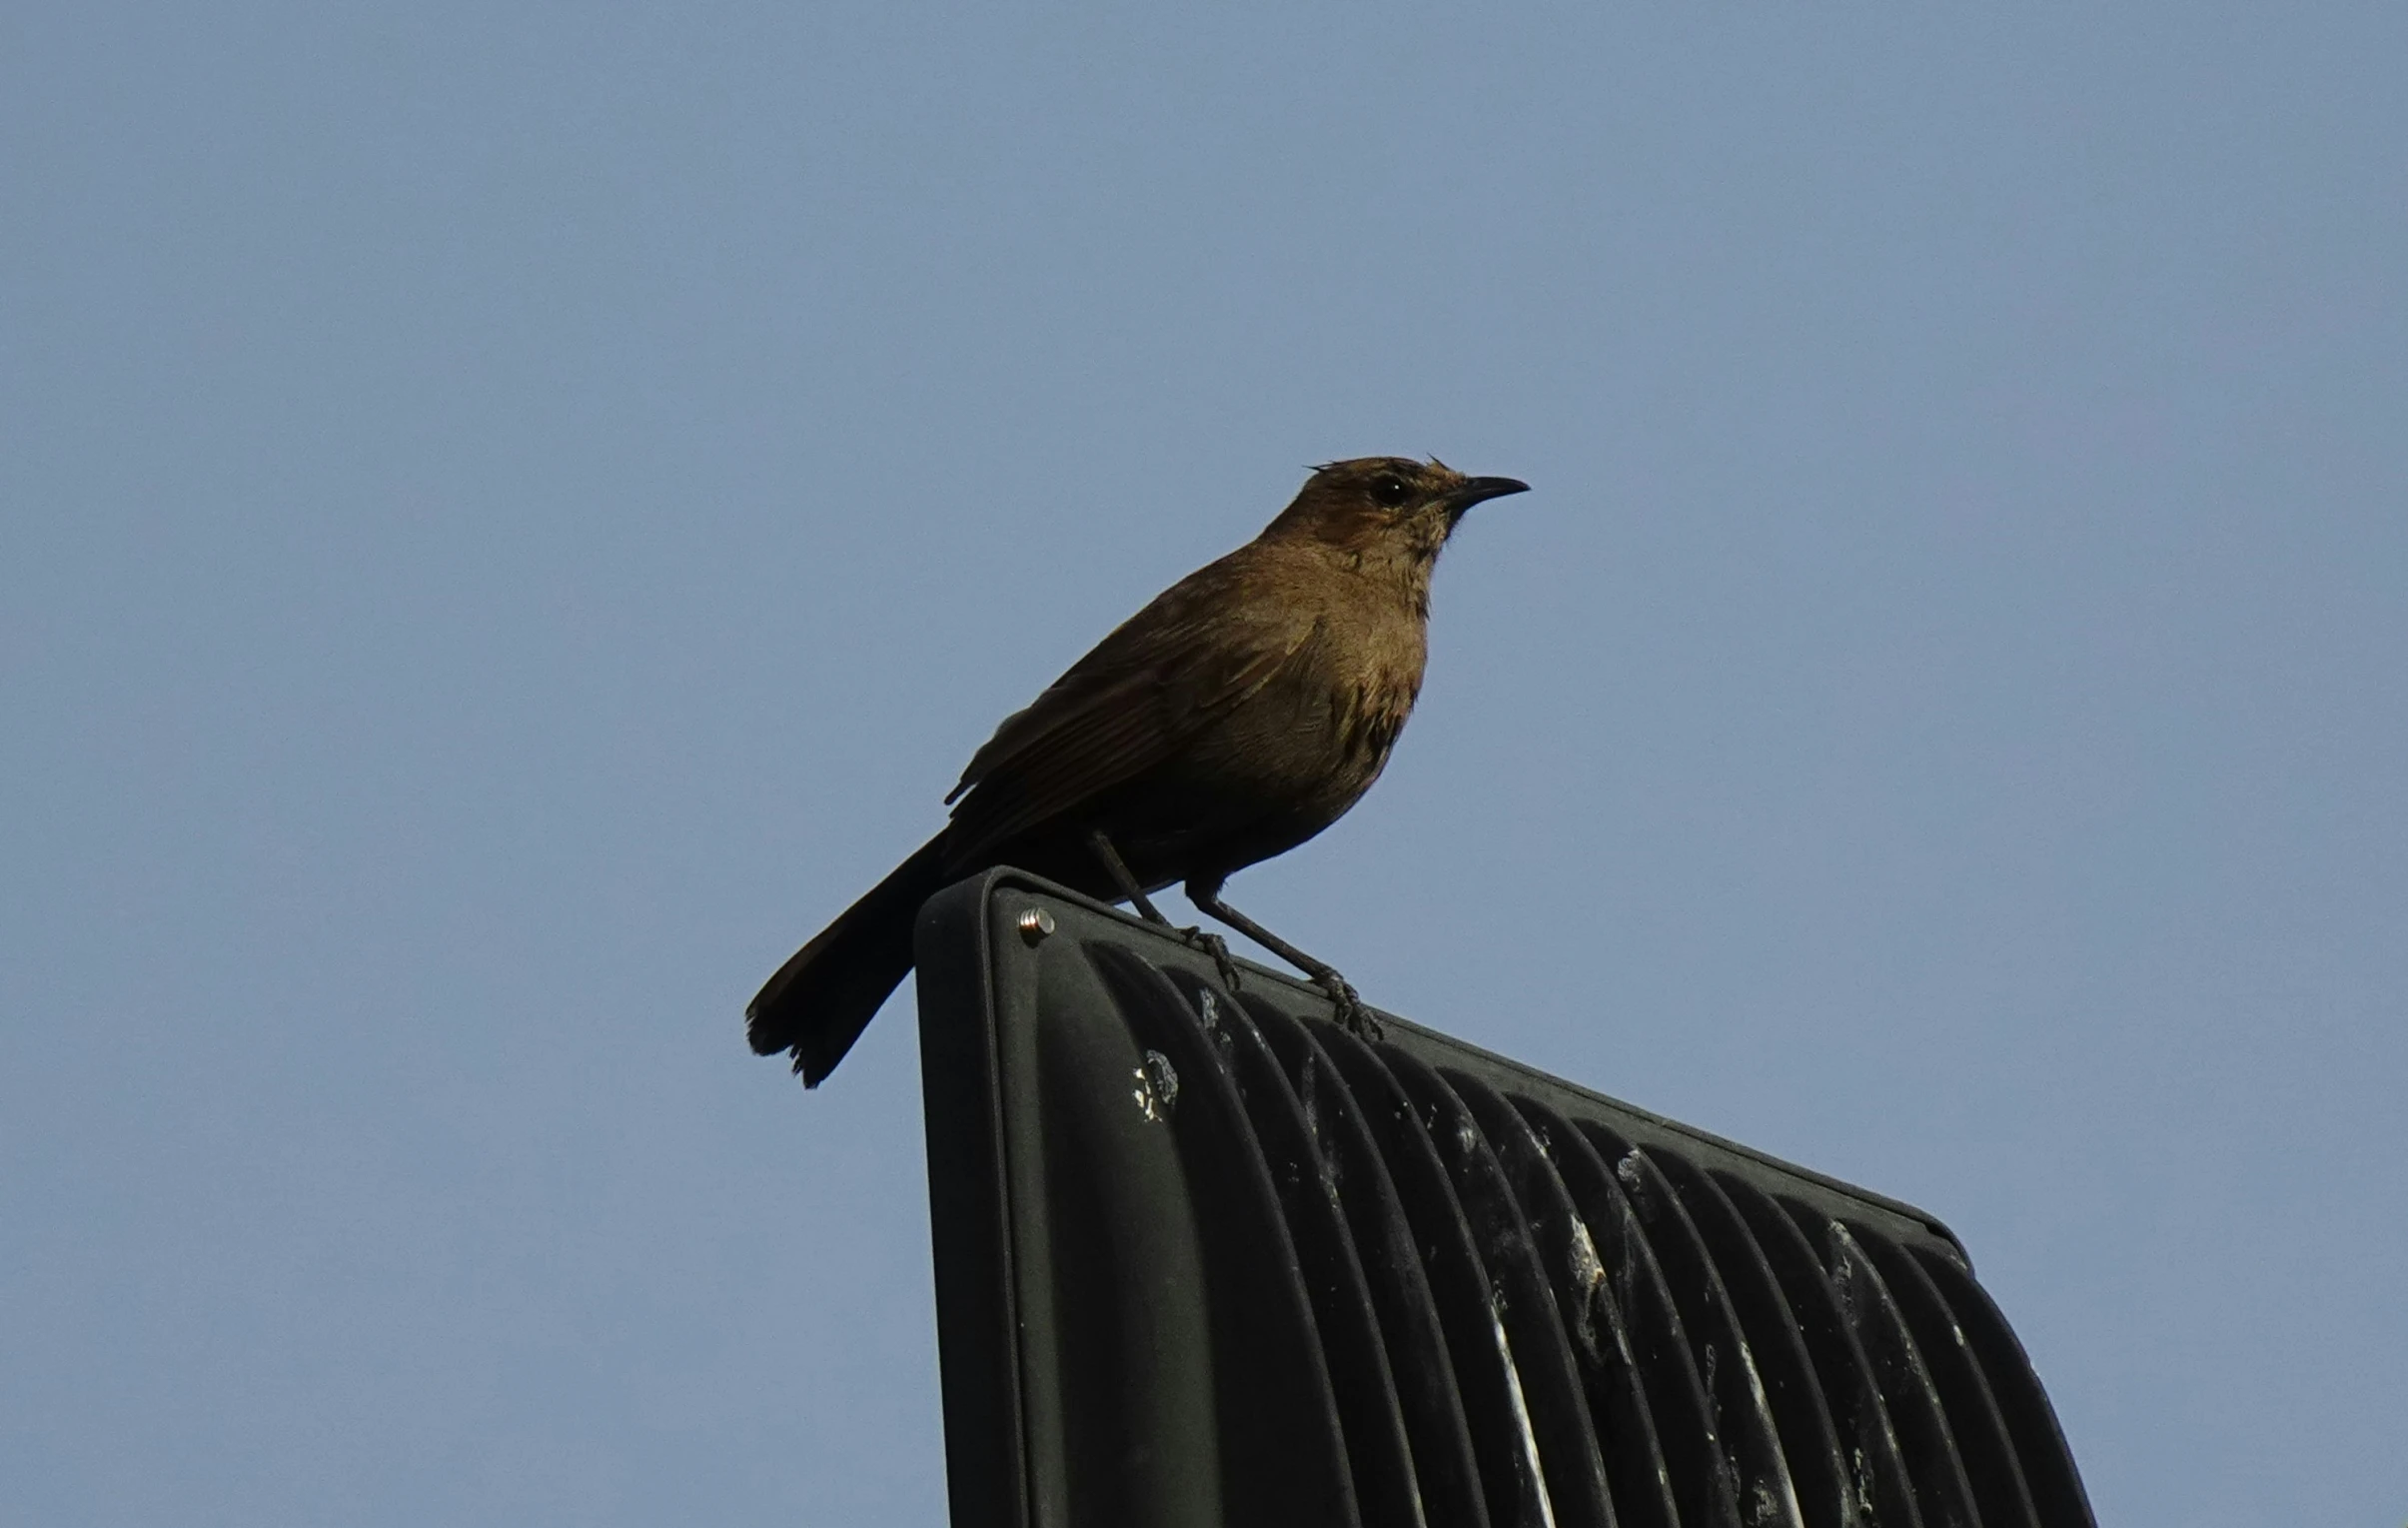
[1389, 491]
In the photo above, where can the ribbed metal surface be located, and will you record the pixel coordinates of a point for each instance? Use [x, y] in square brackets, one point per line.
[1206, 1257]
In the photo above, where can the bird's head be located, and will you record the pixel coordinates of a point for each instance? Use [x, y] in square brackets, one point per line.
[1386, 505]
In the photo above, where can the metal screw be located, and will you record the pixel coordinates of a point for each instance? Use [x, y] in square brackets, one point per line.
[1035, 923]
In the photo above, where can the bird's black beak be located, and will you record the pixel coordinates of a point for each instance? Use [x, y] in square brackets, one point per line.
[1476, 490]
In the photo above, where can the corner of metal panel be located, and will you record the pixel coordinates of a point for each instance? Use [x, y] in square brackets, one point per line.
[969, 1210]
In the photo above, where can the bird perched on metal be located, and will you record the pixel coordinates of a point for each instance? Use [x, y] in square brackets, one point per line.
[1238, 715]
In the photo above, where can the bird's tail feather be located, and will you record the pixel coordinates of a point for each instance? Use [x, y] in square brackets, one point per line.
[826, 994]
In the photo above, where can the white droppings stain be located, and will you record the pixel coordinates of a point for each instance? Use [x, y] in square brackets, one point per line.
[1589, 1272]
[1157, 1091]
[1530, 1438]
[1587, 1267]
[1858, 1300]
[1775, 1505]
[1763, 1505]
[1310, 1085]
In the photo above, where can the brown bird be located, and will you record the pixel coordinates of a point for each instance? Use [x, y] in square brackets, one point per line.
[1241, 713]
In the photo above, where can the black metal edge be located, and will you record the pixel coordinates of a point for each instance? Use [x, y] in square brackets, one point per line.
[1558, 1405]
[1284, 1447]
[1592, 1320]
[1809, 1440]
[1750, 1435]
[1705, 1482]
[970, 1217]
[1942, 1488]
[1369, 1409]
[1445, 1469]
[1512, 1475]
[1647, 1128]
[1981, 1436]
[986, 1465]
[2048, 1468]
[1502, 1073]
[1876, 1466]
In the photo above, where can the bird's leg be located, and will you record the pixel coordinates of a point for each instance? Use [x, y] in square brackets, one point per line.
[1206, 893]
[1119, 869]
[1195, 939]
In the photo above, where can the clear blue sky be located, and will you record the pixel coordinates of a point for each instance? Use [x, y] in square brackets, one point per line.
[511, 516]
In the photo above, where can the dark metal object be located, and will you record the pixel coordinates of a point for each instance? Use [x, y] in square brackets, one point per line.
[1207, 1257]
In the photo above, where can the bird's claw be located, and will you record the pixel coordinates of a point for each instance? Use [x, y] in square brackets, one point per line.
[1351, 1015]
[1217, 948]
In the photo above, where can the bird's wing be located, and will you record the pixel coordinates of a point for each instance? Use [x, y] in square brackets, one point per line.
[1129, 705]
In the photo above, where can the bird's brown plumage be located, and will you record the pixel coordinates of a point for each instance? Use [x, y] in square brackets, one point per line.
[1240, 712]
